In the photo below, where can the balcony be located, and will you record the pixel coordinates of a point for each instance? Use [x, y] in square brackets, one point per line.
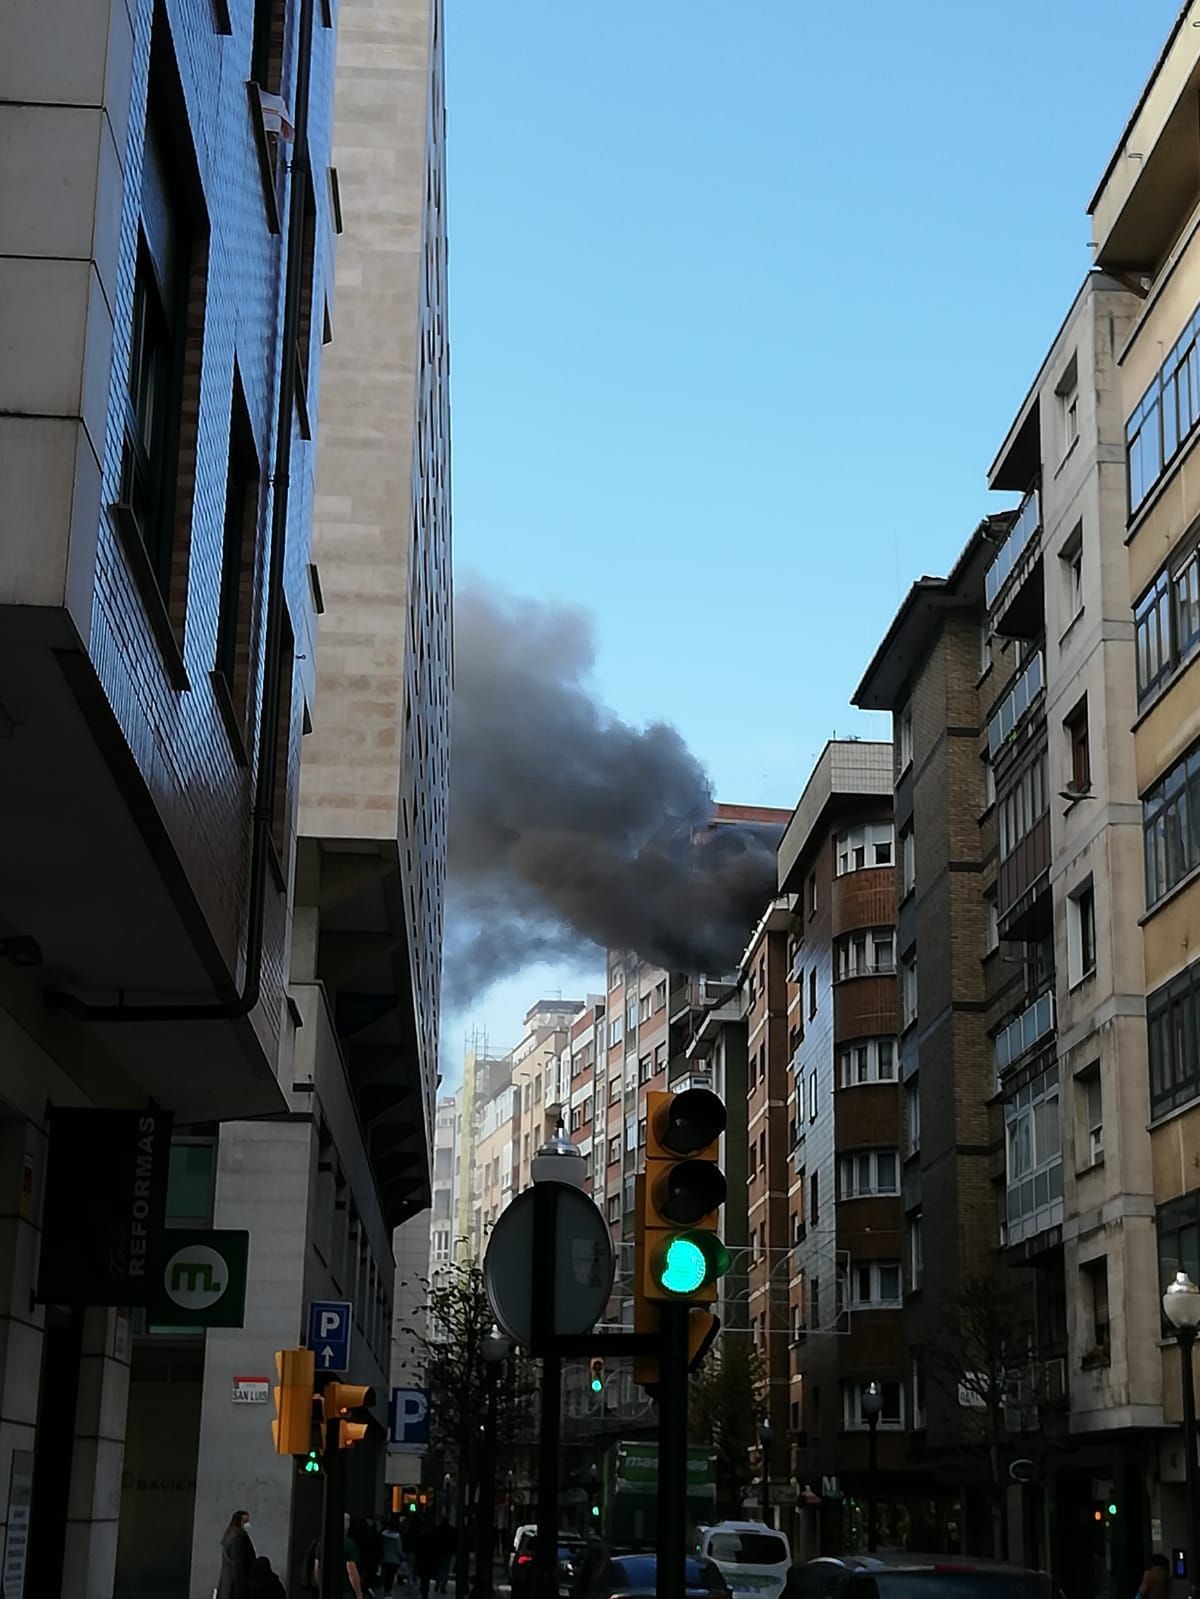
[1024, 1032]
[1023, 877]
[1005, 719]
[1015, 561]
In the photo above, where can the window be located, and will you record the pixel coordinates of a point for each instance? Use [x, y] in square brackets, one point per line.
[1067, 390]
[875, 1284]
[814, 1202]
[916, 1251]
[645, 1069]
[614, 1208]
[752, 1167]
[1167, 622]
[868, 1173]
[641, 1132]
[1093, 1276]
[614, 1090]
[1023, 806]
[812, 1096]
[989, 785]
[266, 55]
[617, 976]
[1033, 1158]
[912, 1116]
[918, 1393]
[238, 566]
[616, 1031]
[283, 745]
[1079, 757]
[1165, 416]
[908, 860]
[985, 648]
[1173, 1042]
[904, 737]
[660, 995]
[871, 1061]
[865, 954]
[812, 993]
[992, 927]
[660, 1058]
[614, 1150]
[644, 1007]
[892, 1414]
[631, 1014]
[1171, 828]
[860, 847]
[812, 894]
[1081, 933]
[1179, 1238]
[908, 989]
[190, 1173]
[1070, 563]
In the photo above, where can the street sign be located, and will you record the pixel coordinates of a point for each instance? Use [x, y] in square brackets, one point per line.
[583, 1266]
[329, 1324]
[251, 1390]
[409, 1420]
[201, 1281]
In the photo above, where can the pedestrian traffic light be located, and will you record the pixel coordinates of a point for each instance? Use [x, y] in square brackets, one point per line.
[292, 1426]
[596, 1374]
[313, 1463]
[342, 1401]
[682, 1197]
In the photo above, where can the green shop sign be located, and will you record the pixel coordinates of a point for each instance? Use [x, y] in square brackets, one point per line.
[201, 1279]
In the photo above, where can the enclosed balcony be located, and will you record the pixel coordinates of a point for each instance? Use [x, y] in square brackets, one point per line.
[1013, 583]
[1012, 709]
[1032, 1029]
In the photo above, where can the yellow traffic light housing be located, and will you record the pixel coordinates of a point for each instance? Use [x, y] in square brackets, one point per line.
[292, 1427]
[681, 1198]
[341, 1401]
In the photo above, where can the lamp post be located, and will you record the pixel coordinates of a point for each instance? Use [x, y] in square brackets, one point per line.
[1181, 1306]
[494, 1350]
[872, 1406]
[556, 1162]
[764, 1438]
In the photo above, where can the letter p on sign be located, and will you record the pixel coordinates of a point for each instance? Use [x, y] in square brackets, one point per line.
[410, 1418]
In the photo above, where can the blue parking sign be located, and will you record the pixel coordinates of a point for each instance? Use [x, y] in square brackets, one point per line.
[329, 1323]
[409, 1422]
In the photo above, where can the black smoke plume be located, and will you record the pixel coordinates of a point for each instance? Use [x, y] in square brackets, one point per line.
[568, 827]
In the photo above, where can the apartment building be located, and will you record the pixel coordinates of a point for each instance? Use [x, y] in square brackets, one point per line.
[445, 1180]
[837, 870]
[581, 1071]
[164, 285]
[1144, 233]
[541, 1093]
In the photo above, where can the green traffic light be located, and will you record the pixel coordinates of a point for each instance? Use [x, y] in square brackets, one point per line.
[412, 1507]
[596, 1511]
[312, 1464]
[1112, 1510]
[597, 1385]
[684, 1267]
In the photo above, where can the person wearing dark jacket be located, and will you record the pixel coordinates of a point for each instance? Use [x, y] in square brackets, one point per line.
[262, 1582]
[237, 1557]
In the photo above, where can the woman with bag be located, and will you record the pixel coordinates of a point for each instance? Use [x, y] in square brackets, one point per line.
[237, 1557]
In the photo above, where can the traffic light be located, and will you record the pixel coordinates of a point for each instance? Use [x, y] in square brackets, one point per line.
[292, 1427]
[682, 1256]
[341, 1401]
[312, 1464]
[596, 1375]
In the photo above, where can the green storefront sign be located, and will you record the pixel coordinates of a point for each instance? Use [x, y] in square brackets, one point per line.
[201, 1280]
[637, 1470]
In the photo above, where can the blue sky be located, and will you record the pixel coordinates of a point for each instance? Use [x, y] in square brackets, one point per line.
[743, 298]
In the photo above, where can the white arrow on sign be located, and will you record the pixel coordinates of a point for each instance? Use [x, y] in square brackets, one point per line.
[327, 1356]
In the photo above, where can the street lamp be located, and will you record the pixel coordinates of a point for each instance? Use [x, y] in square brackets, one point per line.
[872, 1406]
[764, 1438]
[1181, 1307]
[494, 1350]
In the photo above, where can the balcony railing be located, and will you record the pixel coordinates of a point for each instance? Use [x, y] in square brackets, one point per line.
[1024, 1031]
[1029, 521]
[1015, 703]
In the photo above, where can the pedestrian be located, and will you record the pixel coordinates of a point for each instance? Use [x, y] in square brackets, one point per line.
[263, 1582]
[425, 1557]
[446, 1548]
[393, 1552]
[370, 1550]
[237, 1557]
[1156, 1579]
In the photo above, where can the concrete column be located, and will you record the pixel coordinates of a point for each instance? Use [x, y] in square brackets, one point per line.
[22, 1173]
[265, 1173]
[94, 1508]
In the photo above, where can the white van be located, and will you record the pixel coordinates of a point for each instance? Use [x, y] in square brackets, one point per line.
[754, 1559]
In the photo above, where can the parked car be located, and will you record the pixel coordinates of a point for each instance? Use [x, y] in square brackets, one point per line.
[910, 1576]
[754, 1558]
[520, 1563]
[634, 1576]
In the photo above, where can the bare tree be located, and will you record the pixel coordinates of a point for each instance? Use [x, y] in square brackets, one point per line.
[725, 1403]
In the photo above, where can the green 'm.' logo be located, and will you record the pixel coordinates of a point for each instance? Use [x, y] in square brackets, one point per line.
[196, 1277]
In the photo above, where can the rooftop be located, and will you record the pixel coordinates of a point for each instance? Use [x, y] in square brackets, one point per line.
[847, 768]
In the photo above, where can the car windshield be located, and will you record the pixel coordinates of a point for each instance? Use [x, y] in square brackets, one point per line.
[945, 1584]
[637, 1571]
[748, 1548]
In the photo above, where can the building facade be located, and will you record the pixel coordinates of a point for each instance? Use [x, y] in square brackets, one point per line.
[161, 384]
[837, 870]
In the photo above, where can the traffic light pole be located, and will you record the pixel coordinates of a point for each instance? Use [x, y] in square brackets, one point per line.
[333, 1534]
[672, 1451]
[544, 1296]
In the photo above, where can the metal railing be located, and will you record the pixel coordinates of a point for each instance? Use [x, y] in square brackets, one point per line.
[1029, 521]
[1015, 703]
[1024, 1031]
